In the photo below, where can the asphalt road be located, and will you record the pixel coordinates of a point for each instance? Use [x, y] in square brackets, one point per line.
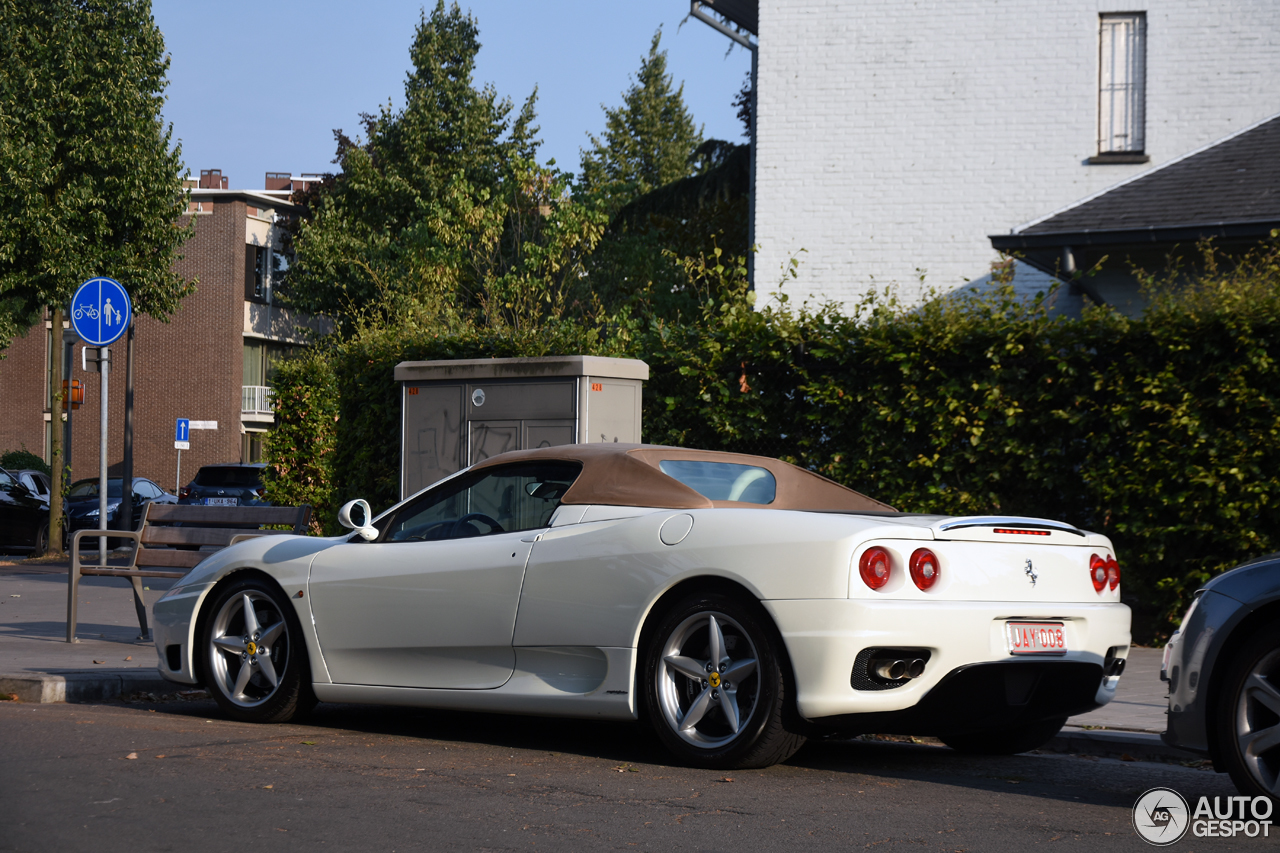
[388, 779]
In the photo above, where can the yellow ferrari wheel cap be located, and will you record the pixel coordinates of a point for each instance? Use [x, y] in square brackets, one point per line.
[252, 648]
[714, 679]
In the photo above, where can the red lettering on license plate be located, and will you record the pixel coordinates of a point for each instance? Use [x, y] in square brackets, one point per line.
[1036, 638]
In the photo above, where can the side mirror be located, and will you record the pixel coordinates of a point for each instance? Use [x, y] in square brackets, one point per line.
[362, 526]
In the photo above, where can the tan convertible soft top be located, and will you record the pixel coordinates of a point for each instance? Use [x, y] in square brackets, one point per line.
[628, 475]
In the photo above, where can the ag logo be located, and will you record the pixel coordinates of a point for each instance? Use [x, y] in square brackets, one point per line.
[1161, 816]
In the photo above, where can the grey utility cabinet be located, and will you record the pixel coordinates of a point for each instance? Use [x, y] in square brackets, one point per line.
[457, 413]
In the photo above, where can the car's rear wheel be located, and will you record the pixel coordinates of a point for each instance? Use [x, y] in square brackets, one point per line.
[41, 543]
[1248, 716]
[713, 684]
[1008, 740]
[255, 660]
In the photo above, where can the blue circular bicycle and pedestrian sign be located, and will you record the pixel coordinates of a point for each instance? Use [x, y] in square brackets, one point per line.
[101, 311]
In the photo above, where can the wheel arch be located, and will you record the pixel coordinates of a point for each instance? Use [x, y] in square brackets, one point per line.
[202, 614]
[725, 586]
[1240, 634]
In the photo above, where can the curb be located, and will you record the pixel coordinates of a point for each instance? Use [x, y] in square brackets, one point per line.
[1116, 743]
[83, 686]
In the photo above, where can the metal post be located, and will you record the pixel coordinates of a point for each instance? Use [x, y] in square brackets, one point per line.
[105, 365]
[68, 347]
[177, 478]
[126, 480]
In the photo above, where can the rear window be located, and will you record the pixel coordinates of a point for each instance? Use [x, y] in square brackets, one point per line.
[723, 481]
[229, 476]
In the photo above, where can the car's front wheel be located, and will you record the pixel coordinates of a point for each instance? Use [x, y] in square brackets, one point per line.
[713, 684]
[255, 660]
[1248, 716]
[1009, 740]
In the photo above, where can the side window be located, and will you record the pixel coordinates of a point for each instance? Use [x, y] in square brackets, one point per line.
[723, 481]
[6, 482]
[500, 500]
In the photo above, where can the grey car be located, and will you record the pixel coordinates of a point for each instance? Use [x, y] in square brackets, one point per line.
[1223, 670]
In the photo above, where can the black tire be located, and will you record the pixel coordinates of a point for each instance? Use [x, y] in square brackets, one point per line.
[669, 695]
[1006, 741]
[1249, 707]
[41, 543]
[279, 635]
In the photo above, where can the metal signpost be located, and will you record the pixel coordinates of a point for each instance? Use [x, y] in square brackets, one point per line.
[181, 441]
[100, 314]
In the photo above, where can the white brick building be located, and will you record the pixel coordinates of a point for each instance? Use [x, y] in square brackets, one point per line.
[893, 138]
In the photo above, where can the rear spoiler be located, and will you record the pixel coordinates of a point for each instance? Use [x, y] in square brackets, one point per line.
[1014, 524]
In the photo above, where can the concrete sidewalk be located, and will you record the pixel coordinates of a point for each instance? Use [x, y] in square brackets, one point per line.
[109, 661]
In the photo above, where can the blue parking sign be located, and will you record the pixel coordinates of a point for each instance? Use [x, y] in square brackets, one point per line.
[101, 311]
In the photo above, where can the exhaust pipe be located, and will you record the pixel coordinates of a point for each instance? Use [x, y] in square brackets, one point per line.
[890, 670]
[897, 669]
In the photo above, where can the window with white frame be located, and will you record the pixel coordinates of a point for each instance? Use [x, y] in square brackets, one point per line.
[1122, 83]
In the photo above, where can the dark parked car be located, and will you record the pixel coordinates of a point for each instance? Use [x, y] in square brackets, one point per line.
[82, 504]
[1223, 669]
[24, 515]
[226, 485]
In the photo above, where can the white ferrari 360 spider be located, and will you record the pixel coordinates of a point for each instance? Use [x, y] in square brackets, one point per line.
[737, 603]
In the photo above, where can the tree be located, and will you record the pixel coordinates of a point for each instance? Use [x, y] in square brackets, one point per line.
[441, 213]
[89, 182]
[648, 142]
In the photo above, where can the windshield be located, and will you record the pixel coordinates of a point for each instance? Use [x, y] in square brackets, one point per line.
[221, 477]
[89, 489]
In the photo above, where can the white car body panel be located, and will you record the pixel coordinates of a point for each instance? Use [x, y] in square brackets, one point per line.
[369, 601]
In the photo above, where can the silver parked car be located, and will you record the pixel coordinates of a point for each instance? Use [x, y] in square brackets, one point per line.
[1223, 670]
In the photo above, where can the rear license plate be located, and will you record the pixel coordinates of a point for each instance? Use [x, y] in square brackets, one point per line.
[1036, 638]
[222, 502]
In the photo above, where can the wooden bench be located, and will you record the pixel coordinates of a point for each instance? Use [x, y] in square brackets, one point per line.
[166, 547]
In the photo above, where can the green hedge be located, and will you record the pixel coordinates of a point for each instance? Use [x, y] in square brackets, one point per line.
[1162, 433]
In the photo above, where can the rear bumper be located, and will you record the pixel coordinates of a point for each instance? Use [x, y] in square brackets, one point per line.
[824, 638]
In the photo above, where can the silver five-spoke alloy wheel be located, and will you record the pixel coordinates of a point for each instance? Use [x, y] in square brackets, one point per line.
[1257, 722]
[707, 682]
[248, 648]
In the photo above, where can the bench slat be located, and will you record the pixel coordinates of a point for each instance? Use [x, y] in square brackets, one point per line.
[254, 515]
[169, 557]
[130, 573]
[152, 535]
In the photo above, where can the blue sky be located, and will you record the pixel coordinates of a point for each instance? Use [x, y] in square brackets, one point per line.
[257, 87]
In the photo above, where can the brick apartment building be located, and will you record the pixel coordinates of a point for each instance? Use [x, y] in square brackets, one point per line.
[211, 361]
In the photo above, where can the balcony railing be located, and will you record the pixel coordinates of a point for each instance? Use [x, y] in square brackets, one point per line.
[255, 400]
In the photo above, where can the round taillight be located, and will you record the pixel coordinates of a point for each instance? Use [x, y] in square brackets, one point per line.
[1098, 572]
[1113, 572]
[924, 568]
[874, 567]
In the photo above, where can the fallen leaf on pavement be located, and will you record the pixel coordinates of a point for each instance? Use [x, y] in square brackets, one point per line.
[1127, 757]
[99, 661]
[264, 787]
[308, 743]
[159, 756]
[130, 657]
[727, 779]
[131, 756]
[15, 596]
